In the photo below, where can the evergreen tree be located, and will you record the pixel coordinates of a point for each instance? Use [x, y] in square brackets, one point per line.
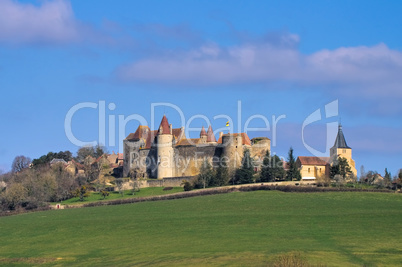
[278, 173]
[266, 172]
[293, 173]
[387, 178]
[221, 176]
[341, 167]
[244, 174]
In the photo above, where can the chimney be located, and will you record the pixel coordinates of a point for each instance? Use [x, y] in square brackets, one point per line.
[171, 128]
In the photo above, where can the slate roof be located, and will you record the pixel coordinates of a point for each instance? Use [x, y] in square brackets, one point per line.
[53, 161]
[340, 141]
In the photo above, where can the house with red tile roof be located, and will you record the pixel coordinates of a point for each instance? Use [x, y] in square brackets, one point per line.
[312, 168]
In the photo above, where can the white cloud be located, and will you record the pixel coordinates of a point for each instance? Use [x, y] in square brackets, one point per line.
[52, 22]
[370, 70]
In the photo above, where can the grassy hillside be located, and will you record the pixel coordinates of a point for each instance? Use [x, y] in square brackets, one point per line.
[241, 228]
[144, 192]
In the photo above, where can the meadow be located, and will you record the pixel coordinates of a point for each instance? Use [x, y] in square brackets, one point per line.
[237, 229]
[144, 192]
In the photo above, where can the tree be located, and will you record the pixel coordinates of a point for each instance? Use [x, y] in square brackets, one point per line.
[362, 172]
[266, 172]
[278, 172]
[186, 185]
[221, 176]
[205, 176]
[293, 173]
[341, 167]
[82, 192]
[65, 155]
[66, 183]
[119, 184]
[20, 163]
[104, 193]
[14, 196]
[99, 151]
[244, 174]
[93, 151]
[387, 178]
[272, 168]
[135, 184]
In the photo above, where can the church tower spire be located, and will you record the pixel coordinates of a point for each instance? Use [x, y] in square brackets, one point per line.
[340, 141]
[341, 149]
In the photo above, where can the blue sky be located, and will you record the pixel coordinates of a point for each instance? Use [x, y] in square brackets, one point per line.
[272, 58]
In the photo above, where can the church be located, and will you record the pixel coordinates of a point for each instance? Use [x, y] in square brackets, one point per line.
[312, 168]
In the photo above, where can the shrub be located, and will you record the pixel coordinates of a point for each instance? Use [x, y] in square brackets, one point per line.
[104, 193]
[186, 185]
[167, 188]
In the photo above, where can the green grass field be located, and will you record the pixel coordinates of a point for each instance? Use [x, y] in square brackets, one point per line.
[144, 192]
[238, 229]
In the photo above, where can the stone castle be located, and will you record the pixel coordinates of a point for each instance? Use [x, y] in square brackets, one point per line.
[167, 152]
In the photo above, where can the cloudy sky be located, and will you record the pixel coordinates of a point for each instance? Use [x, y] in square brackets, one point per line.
[74, 71]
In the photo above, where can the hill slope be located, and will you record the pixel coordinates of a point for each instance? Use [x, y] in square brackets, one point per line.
[239, 228]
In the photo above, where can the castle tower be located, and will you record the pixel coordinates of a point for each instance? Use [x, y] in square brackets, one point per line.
[210, 135]
[232, 149]
[203, 135]
[341, 149]
[164, 140]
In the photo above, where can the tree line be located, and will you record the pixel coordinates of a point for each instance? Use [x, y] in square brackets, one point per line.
[271, 169]
[32, 184]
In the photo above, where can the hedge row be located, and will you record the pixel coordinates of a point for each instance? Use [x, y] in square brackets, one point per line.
[309, 189]
[22, 210]
[224, 190]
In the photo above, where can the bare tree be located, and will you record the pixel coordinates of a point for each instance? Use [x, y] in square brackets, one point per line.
[20, 163]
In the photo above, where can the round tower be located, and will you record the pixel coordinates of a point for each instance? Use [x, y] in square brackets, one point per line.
[164, 140]
[232, 150]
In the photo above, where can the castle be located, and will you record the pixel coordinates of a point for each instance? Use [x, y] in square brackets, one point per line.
[167, 152]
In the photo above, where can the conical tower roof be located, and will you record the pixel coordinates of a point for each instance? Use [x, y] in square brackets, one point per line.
[210, 135]
[340, 141]
[203, 132]
[164, 126]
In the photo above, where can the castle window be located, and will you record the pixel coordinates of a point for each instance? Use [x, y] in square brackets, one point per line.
[308, 169]
[343, 150]
[236, 146]
[320, 169]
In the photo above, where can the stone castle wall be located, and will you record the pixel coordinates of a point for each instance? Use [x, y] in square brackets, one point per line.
[186, 160]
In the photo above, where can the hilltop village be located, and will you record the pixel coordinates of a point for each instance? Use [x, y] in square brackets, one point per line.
[167, 154]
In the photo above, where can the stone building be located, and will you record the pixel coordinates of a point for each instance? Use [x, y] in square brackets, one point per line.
[167, 152]
[341, 149]
[312, 168]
